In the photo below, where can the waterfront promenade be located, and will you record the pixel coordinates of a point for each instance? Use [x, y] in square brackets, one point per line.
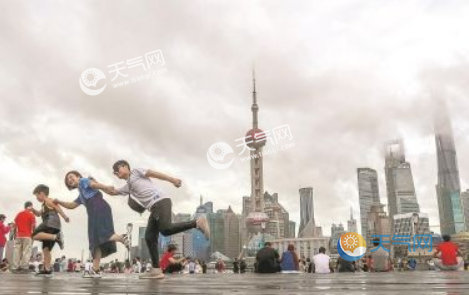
[419, 282]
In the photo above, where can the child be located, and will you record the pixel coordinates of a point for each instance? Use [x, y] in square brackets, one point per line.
[88, 269]
[49, 230]
[140, 187]
[101, 235]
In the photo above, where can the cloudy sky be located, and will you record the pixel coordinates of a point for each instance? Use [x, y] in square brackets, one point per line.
[346, 77]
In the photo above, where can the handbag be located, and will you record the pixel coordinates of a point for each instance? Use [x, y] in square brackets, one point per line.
[134, 204]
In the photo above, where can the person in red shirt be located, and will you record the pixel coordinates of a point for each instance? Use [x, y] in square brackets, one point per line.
[220, 266]
[448, 253]
[25, 224]
[168, 263]
[3, 231]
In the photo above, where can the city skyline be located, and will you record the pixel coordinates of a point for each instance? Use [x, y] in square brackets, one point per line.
[377, 78]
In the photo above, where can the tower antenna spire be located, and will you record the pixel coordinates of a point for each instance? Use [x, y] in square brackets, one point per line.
[254, 107]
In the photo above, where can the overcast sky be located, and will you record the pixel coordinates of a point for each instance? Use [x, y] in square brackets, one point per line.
[346, 77]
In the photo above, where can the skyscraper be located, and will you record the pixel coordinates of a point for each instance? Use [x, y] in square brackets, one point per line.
[278, 225]
[292, 230]
[465, 208]
[179, 238]
[399, 181]
[352, 223]
[225, 233]
[232, 235]
[335, 228]
[195, 244]
[448, 187]
[378, 222]
[307, 225]
[368, 194]
[409, 224]
[217, 232]
[336, 232]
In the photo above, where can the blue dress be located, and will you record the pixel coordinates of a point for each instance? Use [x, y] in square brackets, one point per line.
[100, 223]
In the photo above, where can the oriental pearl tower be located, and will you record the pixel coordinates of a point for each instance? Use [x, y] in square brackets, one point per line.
[255, 139]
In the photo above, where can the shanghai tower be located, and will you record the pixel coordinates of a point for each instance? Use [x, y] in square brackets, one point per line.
[448, 188]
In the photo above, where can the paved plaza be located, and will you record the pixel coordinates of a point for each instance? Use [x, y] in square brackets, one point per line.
[423, 282]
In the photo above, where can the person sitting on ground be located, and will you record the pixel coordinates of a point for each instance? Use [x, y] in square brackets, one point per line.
[204, 267]
[220, 266]
[412, 264]
[236, 266]
[5, 265]
[63, 264]
[321, 261]
[70, 266]
[168, 263]
[56, 265]
[446, 255]
[198, 267]
[380, 258]
[289, 260]
[77, 266]
[242, 266]
[309, 265]
[128, 267]
[189, 266]
[88, 266]
[345, 265]
[302, 265]
[267, 260]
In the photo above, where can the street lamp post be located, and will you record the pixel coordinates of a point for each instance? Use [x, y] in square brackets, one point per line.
[129, 235]
[263, 233]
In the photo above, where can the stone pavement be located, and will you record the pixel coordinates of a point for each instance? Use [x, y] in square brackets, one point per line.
[419, 282]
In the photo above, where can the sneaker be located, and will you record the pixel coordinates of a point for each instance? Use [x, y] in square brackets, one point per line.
[203, 226]
[60, 240]
[92, 274]
[45, 273]
[155, 273]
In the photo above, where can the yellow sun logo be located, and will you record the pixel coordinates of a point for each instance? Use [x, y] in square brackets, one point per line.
[351, 241]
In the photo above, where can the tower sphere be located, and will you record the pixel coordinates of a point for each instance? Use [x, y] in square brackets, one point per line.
[255, 138]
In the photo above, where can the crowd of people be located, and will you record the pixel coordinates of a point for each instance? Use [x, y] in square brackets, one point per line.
[447, 257]
[143, 194]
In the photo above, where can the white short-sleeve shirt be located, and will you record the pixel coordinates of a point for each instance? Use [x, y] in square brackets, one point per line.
[142, 188]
